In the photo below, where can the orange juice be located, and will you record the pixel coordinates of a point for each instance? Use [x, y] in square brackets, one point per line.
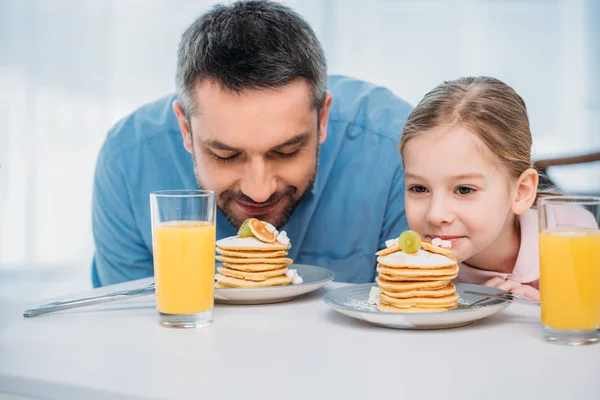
[184, 266]
[570, 279]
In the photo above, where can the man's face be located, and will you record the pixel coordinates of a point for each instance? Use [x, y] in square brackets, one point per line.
[258, 150]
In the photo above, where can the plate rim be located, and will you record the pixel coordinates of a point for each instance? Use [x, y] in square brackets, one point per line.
[329, 302]
[324, 281]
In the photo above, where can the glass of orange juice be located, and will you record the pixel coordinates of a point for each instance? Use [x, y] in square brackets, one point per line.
[570, 269]
[183, 242]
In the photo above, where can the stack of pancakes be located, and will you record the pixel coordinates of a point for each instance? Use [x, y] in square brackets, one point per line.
[250, 263]
[416, 282]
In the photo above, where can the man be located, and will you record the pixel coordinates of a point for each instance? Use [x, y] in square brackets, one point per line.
[257, 120]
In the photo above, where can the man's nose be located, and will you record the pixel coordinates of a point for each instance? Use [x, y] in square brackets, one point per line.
[259, 182]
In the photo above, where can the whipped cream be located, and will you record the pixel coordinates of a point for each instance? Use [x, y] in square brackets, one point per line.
[293, 274]
[419, 259]
[282, 238]
[270, 228]
[374, 298]
[391, 243]
[437, 242]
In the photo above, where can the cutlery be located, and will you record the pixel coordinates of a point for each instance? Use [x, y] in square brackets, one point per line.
[505, 296]
[88, 301]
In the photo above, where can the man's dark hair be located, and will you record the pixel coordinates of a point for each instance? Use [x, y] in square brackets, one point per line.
[250, 45]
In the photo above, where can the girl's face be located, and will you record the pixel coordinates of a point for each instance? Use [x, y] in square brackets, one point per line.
[457, 190]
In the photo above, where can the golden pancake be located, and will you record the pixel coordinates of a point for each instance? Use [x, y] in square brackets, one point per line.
[252, 254]
[229, 282]
[388, 308]
[435, 249]
[421, 259]
[445, 291]
[239, 260]
[417, 278]
[253, 267]
[411, 272]
[439, 302]
[416, 282]
[399, 286]
[388, 250]
[237, 243]
[252, 276]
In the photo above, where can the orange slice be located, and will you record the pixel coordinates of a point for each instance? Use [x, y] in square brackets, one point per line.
[259, 230]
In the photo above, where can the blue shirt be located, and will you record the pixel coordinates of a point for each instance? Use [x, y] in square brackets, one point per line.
[356, 204]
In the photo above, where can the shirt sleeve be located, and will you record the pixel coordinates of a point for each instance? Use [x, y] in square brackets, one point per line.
[395, 217]
[120, 253]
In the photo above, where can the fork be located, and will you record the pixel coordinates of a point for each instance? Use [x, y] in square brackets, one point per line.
[505, 296]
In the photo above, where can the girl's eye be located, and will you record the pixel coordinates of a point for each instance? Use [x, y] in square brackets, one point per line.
[418, 189]
[464, 190]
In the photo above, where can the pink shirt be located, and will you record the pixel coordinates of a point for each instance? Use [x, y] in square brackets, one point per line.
[527, 266]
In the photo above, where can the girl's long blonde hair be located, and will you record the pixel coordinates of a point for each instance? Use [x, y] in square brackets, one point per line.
[488, 108]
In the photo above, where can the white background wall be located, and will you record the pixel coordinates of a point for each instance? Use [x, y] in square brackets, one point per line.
[70, 68]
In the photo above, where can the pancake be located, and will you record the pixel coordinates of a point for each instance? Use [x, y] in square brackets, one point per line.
[412, 272]
[229, 282]
[254, 261]
[422, 302]
[252, 276]
[417, 278]
[254, 267]
[435, 249]
[396, 286]
[388, 308]
[416, 282]
[388, 250]
[252, 254]
[237, 243]
[239, 260]
[445, 291]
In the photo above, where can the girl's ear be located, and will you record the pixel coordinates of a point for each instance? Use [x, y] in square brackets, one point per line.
[525, 191]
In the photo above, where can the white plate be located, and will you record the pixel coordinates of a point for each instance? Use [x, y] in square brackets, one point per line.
[352, 301]
[313, 277]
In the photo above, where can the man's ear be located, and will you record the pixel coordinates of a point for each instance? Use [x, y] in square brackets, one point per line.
[324, 117]
[525, 191]
[184, 126]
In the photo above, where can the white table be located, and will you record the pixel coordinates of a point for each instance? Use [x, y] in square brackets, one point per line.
[296, 350]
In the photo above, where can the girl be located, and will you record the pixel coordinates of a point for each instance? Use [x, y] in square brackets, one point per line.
[469, 176]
